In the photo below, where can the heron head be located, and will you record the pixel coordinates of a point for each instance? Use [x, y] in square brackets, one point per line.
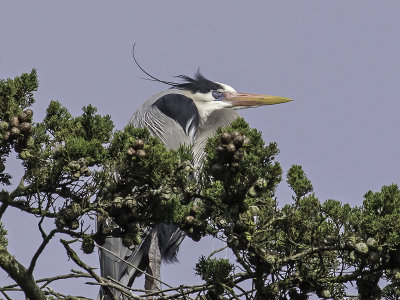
[210, 96]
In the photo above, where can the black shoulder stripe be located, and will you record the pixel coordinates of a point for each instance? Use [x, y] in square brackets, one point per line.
[181, 109]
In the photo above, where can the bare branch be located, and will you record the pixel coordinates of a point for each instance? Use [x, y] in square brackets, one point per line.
[72, 254]
[5, 295]
[216, 251]
[39, 251]
[60, 296]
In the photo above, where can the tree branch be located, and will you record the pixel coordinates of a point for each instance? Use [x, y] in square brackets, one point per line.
[44, 243]
[48, 280]
[20, 275]
[20, 204]
[216, 251]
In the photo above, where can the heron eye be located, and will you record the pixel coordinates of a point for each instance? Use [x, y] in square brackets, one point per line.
[217, 95]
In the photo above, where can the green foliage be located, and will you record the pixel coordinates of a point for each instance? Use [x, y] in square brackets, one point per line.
[304, 243]
[77, 168]
[238, 182]
[381, 212]
[15, 95]
[216, 272]
[153, 183]
[299, 183]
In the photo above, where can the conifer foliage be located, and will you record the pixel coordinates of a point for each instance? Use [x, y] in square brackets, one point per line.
[78, 169]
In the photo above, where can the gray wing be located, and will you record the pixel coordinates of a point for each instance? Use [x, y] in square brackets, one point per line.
[159, 124]
[170, 237]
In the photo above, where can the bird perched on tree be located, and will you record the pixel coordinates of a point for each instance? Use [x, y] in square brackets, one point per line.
[188, 113]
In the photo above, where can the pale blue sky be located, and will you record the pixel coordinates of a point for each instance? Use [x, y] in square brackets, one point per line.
[339, 60]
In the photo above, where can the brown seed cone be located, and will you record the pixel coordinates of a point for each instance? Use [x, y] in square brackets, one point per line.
[6, 136]
[29, 113]
[14, 121]
[194, 209]
[235, 134]
[139, 144]
[238, 140]
[23, 117]
[246, 141]
[140, 153]
[190, 220]
[25, 127]
[130, 151]
[226, 137]
[14, 131]
[74, 166]
[230, 148]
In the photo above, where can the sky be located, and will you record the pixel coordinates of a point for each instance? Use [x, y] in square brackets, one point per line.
[339, 60]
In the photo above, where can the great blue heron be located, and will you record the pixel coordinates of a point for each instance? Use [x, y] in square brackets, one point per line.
[188, 113]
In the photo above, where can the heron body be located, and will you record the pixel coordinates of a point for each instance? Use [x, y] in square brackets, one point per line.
[187, 114]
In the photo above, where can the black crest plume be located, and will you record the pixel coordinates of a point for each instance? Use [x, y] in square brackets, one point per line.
[196, 84]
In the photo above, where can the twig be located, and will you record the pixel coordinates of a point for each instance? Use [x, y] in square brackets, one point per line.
[244, 293]
[5, 295]
[3, 208]
[308, 252]
[126, 287]
[241, 261]
[119, 287]
[48, 280]
[195, 288]
[60, 277]
[39, 251]
[59, 295]
[231, 291]
[216, 251]
[72, 254]
[183, 293]
[182, 290]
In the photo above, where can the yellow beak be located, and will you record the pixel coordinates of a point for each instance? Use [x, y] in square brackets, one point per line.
[245, 99]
